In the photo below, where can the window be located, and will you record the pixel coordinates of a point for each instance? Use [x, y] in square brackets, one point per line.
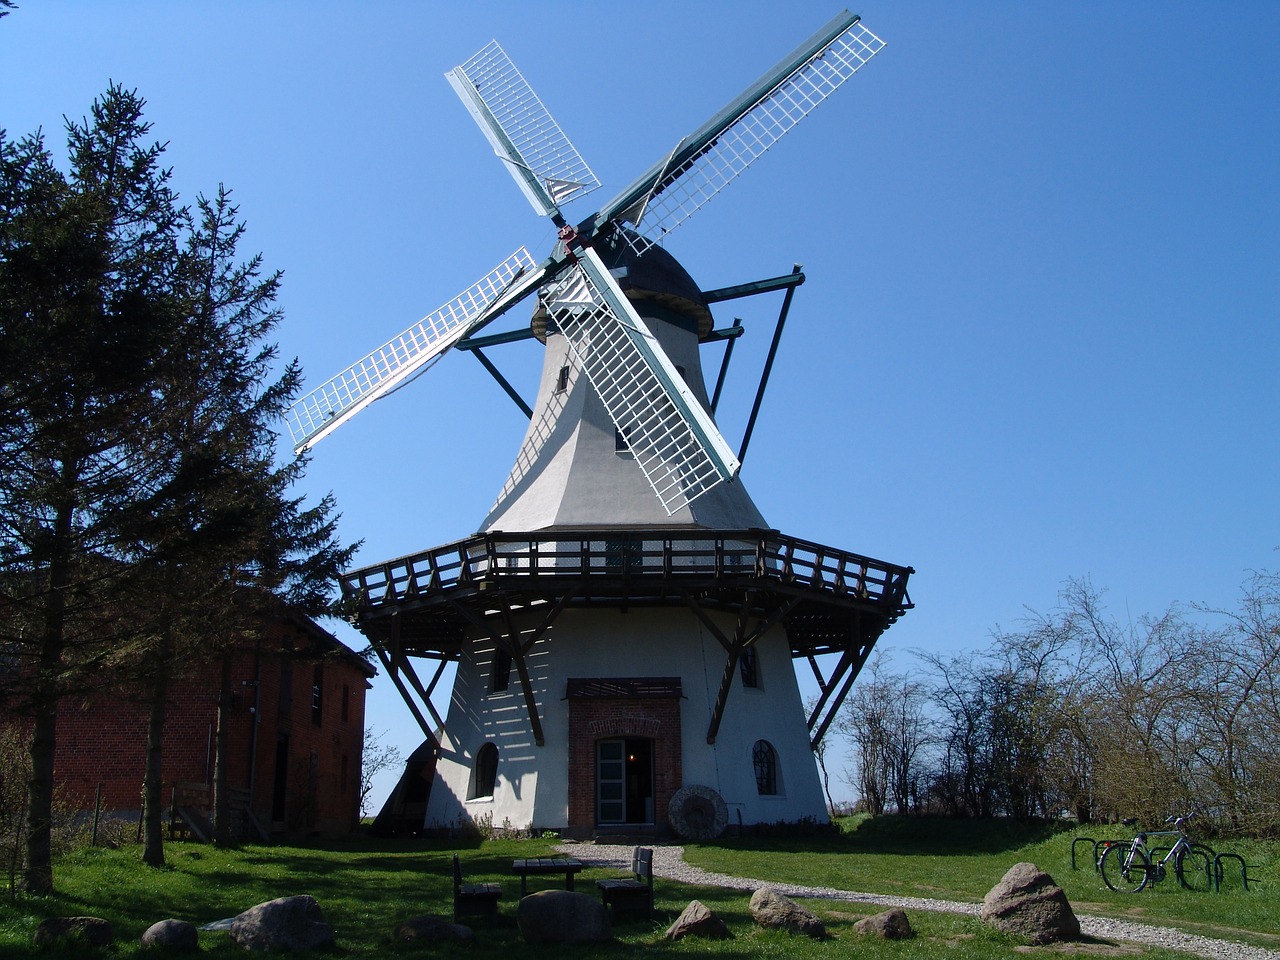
[620, 442]
[562, 380]
[285, 705]
[749, 668]
[765, 760]
[317, 695]
[346, 703]
[501, 678]
[484, 775]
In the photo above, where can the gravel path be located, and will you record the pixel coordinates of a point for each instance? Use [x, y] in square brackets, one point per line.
[669, 862]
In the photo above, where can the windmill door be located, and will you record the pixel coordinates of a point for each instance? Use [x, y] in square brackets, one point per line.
[624, 781]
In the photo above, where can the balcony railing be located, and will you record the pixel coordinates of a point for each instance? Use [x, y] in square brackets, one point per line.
[631, 561]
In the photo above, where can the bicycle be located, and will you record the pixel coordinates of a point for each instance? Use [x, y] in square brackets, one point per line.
[1128, 867]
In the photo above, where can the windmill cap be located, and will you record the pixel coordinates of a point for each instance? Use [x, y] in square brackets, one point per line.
[654, 275]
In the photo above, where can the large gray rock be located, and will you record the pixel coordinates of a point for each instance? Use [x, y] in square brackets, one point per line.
[431, 929]
[889, 925]
[84, 931]
[771, 909]
[289, 923]
[562, 916]
[697, 920]
[1027, 903]
[174, 935]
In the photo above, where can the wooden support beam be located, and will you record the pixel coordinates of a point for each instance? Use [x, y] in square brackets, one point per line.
[425, 693]
[394, 674]
[517, 656]
[741, 640]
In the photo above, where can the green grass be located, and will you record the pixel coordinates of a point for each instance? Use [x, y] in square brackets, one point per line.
[962, 859]
[365, 887]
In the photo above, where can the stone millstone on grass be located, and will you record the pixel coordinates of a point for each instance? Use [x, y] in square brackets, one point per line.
[87, 931]
[697, 920]
[1027, 903]
[562, 916]
[889, 925]
[771, 909]
[174, 935]
[697, 813]
[288, 923]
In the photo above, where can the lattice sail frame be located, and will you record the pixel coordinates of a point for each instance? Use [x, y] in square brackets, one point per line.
[545, 165]
[673, 439]
[681, 192]
[335, 401]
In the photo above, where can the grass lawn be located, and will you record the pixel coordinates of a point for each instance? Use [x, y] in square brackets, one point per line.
[366, 887]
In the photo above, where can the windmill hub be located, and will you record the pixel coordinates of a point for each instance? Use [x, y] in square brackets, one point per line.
[651, 274]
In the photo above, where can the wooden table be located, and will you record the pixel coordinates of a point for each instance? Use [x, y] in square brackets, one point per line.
[545, 865]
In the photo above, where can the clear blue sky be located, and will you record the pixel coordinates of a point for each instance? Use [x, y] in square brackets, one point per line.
[1039, 336]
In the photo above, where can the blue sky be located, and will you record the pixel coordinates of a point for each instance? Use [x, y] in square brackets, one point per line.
[1039, 334]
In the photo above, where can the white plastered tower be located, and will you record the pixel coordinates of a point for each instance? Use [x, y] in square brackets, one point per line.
[614, 662]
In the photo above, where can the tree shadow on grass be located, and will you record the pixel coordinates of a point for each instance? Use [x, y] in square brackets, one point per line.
[931, 836]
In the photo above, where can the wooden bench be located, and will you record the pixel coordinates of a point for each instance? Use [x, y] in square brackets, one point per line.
[480, 899]
[633, 891]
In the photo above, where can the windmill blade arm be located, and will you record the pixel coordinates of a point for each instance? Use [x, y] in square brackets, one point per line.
[674, 440]
[545, 166]
[317, 414]
[714, 154]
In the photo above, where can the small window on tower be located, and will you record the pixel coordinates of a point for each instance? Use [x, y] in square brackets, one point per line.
[562, 380]
[501, 670]
[748, 667]
[620, 443]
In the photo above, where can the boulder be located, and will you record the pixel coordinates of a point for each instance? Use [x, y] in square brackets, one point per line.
[431, 929]
[175, 935]
[889, 925]
[1027, 903]
[288, 923]
[771, 909]
[697, 920]
[562, 916]
[85, 931]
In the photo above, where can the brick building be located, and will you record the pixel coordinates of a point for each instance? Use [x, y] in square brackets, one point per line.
[295, 737]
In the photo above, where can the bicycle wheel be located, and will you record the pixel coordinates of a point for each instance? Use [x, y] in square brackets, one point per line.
[1194, 867]
[1124, 869]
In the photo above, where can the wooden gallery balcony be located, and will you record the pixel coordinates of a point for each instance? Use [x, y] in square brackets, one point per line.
[829, 601]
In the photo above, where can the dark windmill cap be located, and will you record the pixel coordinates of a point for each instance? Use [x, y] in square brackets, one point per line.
[654, 275]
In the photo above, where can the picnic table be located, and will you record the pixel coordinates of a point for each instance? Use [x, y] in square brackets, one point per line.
[545, 865]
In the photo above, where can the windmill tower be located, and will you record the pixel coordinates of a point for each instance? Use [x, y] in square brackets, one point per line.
[624, 623]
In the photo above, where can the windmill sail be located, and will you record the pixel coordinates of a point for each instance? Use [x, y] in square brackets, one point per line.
[545, 165]
[334, 402]
[674, 440]
[705, 162]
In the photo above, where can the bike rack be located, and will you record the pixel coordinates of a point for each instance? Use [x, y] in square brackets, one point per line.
[1100, 847]
[1088, 840]
[1218, 871]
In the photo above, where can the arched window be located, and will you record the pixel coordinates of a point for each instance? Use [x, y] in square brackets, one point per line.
[765, 760]
[485, 772]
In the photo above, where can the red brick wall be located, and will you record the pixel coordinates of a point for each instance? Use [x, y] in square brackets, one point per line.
[592, 720]
[102, 738]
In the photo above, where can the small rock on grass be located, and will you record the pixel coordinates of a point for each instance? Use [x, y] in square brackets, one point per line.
[771, 909]
[697, 920]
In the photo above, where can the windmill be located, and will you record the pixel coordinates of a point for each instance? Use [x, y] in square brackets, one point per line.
[623, 574]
